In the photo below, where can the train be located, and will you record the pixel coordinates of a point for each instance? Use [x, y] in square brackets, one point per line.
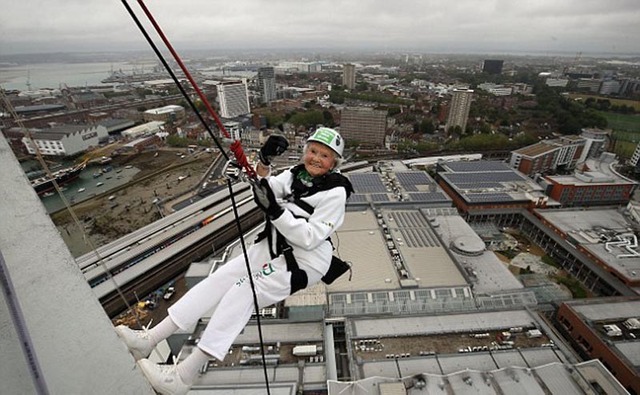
[140, 262]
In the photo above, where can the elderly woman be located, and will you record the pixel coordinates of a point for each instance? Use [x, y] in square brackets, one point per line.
[304, 206]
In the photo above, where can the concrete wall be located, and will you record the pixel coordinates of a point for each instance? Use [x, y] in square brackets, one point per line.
[55, 336]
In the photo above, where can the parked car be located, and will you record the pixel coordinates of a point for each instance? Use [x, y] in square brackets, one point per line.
[169, 293]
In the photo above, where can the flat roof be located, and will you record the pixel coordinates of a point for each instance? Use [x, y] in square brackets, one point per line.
[536, 149]
[485, 182]
[422, 252]
[600, 172]
[448, 323]
[485, 271]
[452, 375]
[605, 233]
[361, 242]
[602, 311]
[274, 331]
[631, 350]
[395, 184]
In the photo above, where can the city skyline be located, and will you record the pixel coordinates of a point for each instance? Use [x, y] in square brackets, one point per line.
[465, 26]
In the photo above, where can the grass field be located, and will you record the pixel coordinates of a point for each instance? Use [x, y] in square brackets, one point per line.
[624, 149]
[622, 122]
[633, 103]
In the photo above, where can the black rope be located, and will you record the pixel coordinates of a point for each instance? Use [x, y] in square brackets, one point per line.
[231, 194]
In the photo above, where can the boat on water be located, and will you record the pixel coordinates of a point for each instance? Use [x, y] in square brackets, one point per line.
[63, 176]
[100, 184]
[81, 190]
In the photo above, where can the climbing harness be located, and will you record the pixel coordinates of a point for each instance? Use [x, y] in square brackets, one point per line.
[303, 188]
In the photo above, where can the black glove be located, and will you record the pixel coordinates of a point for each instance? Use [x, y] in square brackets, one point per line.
[274, 146]
[266, 200]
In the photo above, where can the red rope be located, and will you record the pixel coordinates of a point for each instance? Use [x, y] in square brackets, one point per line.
[236, 147]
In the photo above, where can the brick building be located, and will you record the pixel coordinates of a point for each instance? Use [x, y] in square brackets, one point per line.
[548, 155]
[592, 185]
[605, 329]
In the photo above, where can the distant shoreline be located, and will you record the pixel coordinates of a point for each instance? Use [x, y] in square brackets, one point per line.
[144, 55]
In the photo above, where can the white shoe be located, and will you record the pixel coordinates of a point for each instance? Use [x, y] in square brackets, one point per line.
[163, 378]
[138, 341]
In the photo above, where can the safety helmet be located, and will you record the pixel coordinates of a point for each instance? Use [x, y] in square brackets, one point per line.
[330, 138]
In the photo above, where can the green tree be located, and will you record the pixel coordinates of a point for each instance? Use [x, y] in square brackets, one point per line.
[307, 119]
[327, 116]
[176, 141]
[425, 126]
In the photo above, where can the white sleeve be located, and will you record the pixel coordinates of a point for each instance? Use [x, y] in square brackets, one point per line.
[278, 183]
[309, 233]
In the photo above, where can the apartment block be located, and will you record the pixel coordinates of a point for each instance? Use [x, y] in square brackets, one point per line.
[364, 125]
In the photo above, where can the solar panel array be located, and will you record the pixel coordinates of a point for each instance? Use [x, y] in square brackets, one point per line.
[419, 238]
[428, 197]
[409, 179]
[475, 166]
[479, 178]
[471, 185]
[489, 197]
[357, 198]
[367, 183]
[409, 218]
[379, 197]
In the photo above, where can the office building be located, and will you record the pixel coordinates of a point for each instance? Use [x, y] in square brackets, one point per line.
[364, 125]
[492, 66]
[233, 98]
[459, 109]
[349, 76]
[267, 84]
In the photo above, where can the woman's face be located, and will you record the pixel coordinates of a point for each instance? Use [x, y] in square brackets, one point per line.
[318, 159]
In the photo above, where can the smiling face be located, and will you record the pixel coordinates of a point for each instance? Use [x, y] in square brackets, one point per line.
[318, 159]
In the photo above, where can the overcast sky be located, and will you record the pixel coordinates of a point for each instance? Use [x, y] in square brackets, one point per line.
[479, 26]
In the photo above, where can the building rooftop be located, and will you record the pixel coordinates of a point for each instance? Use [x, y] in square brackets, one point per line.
[605, 233]
[552, 378]
[483, 268]
[536, 149]
[486, 182]
[598, 313]
[600, 171]
[59, 132]
[446, 323]
[165, 110]
[394, 184]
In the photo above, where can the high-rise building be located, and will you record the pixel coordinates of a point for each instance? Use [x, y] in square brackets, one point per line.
[267, 84]
[492, 66]
[233, 98]
[596, 143]
[459, 108]
[364, 125]
[349, 76]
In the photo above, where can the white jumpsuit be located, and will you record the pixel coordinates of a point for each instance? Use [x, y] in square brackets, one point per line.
[228, 289]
